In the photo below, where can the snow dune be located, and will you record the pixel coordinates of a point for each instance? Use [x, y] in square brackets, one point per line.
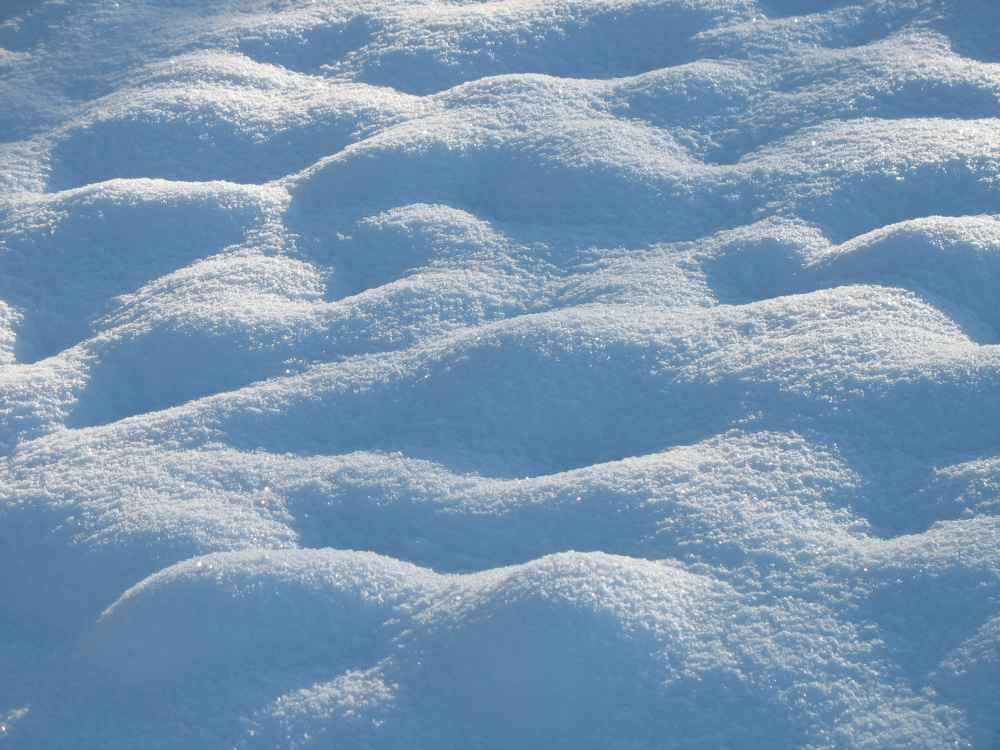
[395, 373]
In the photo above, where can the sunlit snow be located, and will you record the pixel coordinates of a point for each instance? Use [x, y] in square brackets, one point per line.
[499, 374]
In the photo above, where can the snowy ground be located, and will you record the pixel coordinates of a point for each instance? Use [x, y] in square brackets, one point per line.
[506, 374]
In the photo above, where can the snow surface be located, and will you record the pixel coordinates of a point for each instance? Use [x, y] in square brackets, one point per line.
[518, 373]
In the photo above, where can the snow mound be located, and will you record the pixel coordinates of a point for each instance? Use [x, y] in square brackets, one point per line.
[618, 373]
[432, 654]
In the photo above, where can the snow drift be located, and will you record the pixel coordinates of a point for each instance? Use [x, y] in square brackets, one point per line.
[395, 373]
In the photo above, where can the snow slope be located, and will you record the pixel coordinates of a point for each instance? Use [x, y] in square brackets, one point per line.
[518, 373]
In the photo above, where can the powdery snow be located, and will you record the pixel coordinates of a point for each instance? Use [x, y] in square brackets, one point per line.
[397, 373]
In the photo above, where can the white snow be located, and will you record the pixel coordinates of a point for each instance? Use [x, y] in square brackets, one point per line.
[520, 373]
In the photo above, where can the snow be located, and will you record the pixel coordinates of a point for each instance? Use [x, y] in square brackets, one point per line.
[415, 373]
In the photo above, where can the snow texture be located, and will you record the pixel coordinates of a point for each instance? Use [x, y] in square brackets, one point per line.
[499, 373]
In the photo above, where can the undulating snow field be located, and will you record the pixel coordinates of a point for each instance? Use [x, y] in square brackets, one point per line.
[449, 374]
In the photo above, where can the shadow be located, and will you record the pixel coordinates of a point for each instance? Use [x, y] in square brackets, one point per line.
[433, 54]
[309, 50]
[142, 145]
[64, 262]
